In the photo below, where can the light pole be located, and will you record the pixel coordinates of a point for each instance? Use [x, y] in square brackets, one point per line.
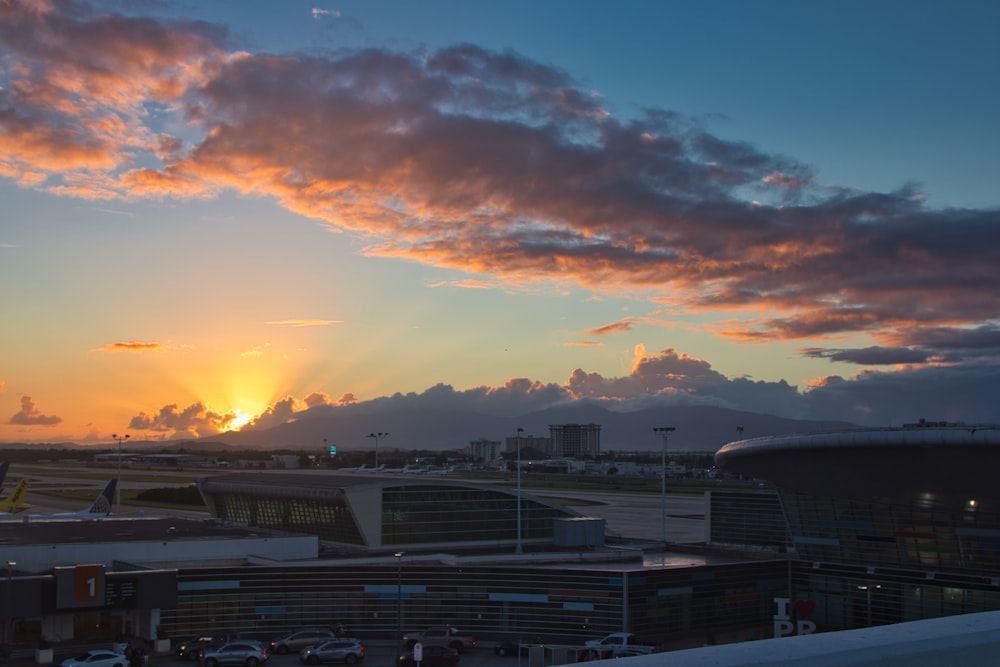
[399, 603]
[119, 438]
[7, 620]
[663, 431]
[378, 436]
[518, 547]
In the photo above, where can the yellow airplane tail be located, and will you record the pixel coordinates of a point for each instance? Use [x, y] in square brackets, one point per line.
[14, 502]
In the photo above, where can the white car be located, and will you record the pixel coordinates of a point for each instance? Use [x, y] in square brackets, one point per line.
[97, 658]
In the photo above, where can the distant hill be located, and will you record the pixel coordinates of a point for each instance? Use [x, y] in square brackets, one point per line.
[698, 428]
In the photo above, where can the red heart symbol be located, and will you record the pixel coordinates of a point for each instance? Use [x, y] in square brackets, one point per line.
[804, 608]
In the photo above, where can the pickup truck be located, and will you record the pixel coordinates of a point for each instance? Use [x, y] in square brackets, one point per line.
[619, 644]
[441, 636]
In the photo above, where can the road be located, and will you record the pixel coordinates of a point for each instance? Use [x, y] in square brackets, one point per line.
[638, 516]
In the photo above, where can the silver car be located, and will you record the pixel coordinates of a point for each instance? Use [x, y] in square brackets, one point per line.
[346, 650]
[97, 658]
[242, 652]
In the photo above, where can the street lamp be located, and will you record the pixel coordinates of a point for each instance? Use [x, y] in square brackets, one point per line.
[664, 431]
[119, 438]
[519, 432]
[399, 603]
[7, 618]
[377, 437]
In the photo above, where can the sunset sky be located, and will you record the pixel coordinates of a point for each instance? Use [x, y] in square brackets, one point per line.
[220, 214]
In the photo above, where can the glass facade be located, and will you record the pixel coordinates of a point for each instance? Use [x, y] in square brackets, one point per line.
[553, 602]
[846, 597]
[377, 513]
[448, 514]
[746, 518]
[919, 536]
[328, 521]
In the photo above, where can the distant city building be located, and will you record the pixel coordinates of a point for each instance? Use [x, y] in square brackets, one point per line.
[485, 451]
[528, 443]
[576, 440]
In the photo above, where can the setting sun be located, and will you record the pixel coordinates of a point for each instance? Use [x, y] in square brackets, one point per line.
[239, 420]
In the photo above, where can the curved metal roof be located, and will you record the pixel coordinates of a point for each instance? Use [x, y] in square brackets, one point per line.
[903, 437]
[331, 487]
[953, 465]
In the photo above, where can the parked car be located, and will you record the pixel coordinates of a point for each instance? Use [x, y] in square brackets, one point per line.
[240, 652]
[433, 656]
[191, 648]
[97, 658]
[296, 641]
[346, 649]
[441, 636]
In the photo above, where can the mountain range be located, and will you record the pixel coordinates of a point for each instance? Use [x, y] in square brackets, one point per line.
[698, 428]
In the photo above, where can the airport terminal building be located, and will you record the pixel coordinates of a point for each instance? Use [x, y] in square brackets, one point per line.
[884, 525]
[341, 556]
[370, 513]
[862, 528]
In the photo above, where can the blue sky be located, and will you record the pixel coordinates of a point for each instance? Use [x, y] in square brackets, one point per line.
[218, 215]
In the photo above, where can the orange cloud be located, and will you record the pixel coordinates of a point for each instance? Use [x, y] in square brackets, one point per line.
[30, 415]
[615, 327]
[133, 346]
[304, 323]
[194, 421]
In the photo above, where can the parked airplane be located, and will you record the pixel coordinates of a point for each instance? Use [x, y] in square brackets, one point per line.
[363, 468]
[12, 503]
[408, 470]
[100, 508]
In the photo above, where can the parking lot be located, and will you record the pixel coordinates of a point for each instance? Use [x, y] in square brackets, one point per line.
[379, 653]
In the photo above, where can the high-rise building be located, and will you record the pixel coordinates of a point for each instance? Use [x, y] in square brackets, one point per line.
[485, 451]
[576, 440]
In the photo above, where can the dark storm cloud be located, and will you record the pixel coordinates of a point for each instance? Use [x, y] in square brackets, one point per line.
[871, 356]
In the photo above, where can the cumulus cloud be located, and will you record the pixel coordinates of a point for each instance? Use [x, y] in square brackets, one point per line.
[347, 399]
[196, 420]
[316, 398]
[30, 415]
[656, 379]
